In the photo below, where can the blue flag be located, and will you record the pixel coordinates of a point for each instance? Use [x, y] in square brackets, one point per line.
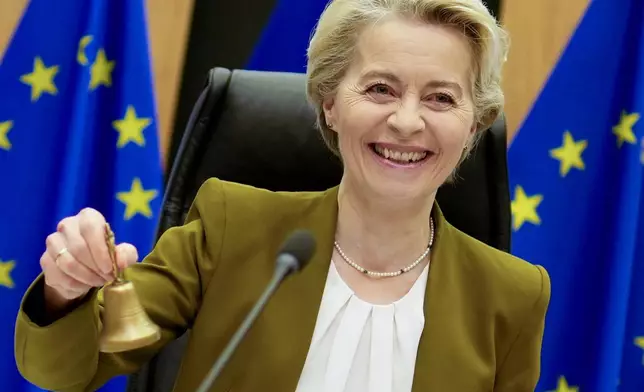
[577, 177]
[77, 129]
[283, 43]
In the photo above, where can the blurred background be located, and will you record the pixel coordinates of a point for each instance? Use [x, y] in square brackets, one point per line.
[574, 83]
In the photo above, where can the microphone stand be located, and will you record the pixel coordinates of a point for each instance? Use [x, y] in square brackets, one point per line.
[286, 263]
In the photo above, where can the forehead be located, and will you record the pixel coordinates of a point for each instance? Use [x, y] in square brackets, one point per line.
[414, 49]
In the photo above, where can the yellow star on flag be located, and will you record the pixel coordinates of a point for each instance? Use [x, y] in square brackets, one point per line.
[101, 71]
[639, 342]
[137, 200]
[524, 208]
[624, 130]
[81, 56]
[5, 273]
[131, 128]
[562, 386]
[41, 79]
[569, 154]
[5, 127]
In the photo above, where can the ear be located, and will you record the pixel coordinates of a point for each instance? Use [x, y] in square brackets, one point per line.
[470, 136]
[328, 106]
[473, 129]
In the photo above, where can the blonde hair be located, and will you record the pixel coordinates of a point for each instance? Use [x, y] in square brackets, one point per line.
[333, 42]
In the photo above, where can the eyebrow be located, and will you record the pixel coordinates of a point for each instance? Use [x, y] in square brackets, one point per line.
[394, 79]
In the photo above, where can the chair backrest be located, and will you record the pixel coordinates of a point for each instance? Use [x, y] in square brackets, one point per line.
[257, 128]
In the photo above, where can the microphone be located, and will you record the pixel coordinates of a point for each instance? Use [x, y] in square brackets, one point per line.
[294, 255]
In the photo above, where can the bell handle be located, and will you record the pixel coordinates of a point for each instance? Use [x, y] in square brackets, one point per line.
[111, 248]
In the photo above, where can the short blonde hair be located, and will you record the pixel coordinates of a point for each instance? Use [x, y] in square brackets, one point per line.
[333, 43]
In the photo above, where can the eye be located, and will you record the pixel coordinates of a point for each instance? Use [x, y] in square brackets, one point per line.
[380, 89]
[442, 100]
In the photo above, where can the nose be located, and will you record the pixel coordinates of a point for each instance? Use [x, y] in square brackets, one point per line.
[406, 120]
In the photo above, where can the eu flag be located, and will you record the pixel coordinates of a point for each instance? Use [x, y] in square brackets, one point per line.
[283, 43]
[77, 129]
[577, 176]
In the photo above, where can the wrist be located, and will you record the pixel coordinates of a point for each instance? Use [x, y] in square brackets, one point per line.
[55, 304]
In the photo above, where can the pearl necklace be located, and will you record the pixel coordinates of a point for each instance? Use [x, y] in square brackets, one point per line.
[395, 273]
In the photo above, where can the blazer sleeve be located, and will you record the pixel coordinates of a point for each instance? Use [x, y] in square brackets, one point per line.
[520, 369]
[63, 355]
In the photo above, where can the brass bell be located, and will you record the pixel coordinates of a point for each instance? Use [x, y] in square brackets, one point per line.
[126, 326]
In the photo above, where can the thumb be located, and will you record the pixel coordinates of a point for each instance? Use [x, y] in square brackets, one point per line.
[126, 255]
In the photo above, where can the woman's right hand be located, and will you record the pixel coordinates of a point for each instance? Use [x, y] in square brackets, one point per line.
[77, 258]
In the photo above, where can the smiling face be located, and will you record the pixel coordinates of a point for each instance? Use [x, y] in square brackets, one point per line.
[404, 112]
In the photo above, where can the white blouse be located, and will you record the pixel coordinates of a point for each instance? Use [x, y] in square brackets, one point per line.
[361, 347]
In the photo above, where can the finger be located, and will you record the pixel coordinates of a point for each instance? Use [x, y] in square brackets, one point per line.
[71, 267]
[92, 229]
[77, 246]
[74, 242]
[54, 277]
[126, 255]
[68, 264]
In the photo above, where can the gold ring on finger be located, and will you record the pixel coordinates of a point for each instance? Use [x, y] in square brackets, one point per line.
[60, 253]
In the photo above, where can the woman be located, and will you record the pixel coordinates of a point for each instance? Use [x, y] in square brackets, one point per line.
[395, 298]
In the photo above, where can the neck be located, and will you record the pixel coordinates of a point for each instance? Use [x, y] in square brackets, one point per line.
[381, 235]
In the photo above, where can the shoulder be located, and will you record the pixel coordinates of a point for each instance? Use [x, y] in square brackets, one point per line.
[249, 199]
[248, 210]
[513, 289]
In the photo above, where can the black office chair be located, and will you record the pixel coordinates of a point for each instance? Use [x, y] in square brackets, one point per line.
[257, 128]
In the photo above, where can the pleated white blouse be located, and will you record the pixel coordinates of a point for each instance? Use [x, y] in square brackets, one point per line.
[361, 347]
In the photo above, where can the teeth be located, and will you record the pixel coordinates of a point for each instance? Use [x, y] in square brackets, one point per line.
[400, 156]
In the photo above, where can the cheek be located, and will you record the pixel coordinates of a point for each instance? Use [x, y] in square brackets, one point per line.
[360, 119]
[451, 134]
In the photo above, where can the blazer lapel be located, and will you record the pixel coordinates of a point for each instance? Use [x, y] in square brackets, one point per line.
[290, 316]
[436, 346]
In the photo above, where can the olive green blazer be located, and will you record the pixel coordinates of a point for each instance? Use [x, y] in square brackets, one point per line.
[484, 309]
